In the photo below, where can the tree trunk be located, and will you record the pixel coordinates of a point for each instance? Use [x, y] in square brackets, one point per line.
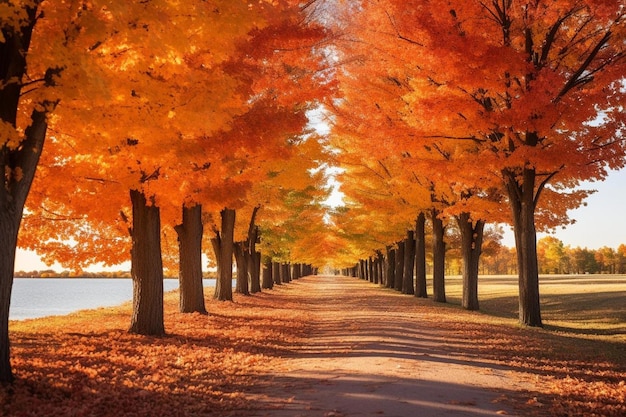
[285, 276]
[391, 267]
[409, 263]
[439, 258]
[12, 198]
[241, 285]
[253, 258]
[223, 246]
[146, 268]
[297, 271]
[420, 257]
[399, 280]
[25, 158]
[522, 201]
[276, 273]
[471, 247]
[9, 226]
[254, 269]
[189, 234]
[380, 264]
[267, 282]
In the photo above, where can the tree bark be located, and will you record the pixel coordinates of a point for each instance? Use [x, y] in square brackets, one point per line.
[9, 227]
[439, 258]
[380, 265]
[276, 273]
[285, 275]
[253, 258]
[267, 282]
[391, 267]
[189, 234]
[409, 264]
[240, 252]
[296, 271]
[399, 279]
[471, 247]
[12, 198]
[146, 268]
[420, 257]
[14, 190]
[522, 200]
[223, 247]
[254, 269]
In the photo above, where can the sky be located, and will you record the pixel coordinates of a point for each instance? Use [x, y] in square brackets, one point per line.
[602, 222]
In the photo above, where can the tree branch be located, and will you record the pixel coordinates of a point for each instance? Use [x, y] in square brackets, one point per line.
[543, 184]
[575, 79]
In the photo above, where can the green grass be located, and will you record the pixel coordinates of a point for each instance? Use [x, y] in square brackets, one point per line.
[591, 306]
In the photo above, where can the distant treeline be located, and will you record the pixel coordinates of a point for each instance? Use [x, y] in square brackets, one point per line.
[553, 257]
[49, 273]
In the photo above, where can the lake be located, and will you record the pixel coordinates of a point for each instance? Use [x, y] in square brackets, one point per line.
[41, 297]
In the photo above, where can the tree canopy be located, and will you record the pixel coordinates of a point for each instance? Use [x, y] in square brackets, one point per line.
[468, 112]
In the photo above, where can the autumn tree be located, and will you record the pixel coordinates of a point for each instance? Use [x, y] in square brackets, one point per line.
[535, 87]
[292, 214]
[370, 136]
[152, 142]
[35, 52]
[287, 80]
[376, 78]
[621, 258]
[14, 46]
[378, 215]
[552, 255]
[219, 175]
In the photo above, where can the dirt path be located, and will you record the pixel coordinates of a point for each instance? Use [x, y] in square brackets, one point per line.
[372, 352]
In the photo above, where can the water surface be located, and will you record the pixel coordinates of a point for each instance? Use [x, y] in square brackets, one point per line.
[41, 297]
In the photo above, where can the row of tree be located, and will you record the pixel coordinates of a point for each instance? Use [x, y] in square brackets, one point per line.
[554, 257]
[160, 120]
[474, 112]
[405, 266]
[174, 127]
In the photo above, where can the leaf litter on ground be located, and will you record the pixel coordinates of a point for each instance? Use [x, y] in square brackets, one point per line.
[87, 364]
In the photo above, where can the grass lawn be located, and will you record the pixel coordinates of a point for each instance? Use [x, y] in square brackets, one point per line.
[587, 306]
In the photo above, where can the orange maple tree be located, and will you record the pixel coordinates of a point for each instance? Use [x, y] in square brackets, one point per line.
[154, 113]
[36, 53]
[156, 86]
[530, 93]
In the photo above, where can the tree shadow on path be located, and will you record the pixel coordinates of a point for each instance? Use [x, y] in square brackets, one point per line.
[376, 353]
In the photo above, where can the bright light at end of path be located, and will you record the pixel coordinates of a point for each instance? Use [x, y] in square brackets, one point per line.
[335, 199]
